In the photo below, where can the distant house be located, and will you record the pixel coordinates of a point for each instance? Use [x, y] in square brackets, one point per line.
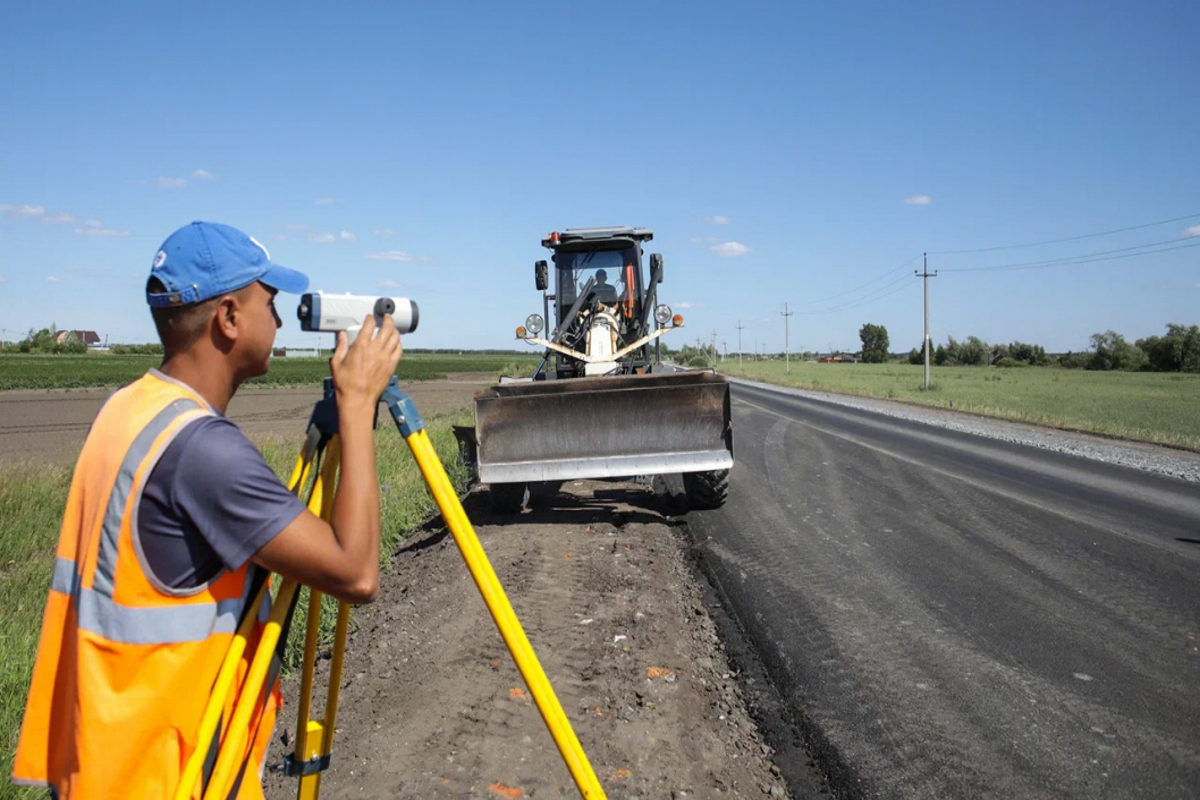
[278, 352]
[90, 338]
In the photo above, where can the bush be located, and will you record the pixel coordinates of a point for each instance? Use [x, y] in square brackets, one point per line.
[1008, 362]
[916, 356]
[154, 349]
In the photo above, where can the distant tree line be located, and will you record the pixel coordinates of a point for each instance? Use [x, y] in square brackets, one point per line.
[154, 349]
[1176, 351]
[46, 342]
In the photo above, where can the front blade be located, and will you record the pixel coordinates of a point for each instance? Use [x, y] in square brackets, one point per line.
[603, 427]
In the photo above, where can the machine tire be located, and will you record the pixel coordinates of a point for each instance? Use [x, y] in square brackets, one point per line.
[508, 498]
[706, 490]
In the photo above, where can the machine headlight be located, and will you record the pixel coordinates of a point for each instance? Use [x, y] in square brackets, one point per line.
[534, 323]
[662, 315]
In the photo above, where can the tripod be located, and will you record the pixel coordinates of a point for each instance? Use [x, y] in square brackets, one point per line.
[314, 737]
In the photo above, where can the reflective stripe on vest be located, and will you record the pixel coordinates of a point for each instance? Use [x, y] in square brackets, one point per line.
[106, 562]
[191, 622]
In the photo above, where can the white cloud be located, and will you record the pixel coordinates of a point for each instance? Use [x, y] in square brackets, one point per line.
[3, 279]
[101, 232]
[1192, 231]
[323, 201]
[323, 238]
[203, 175]
[918, 200]
[391, 285]
[279, 237]
[730, 249]
[94, 223]
[718, 220]
[52, 279]
[171, 183]
[348, 236]
[384, 232]
[59, 218]
[684, 305]
[22, 212]
[389, 255]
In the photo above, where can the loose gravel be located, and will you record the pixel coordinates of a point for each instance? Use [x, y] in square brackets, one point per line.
[1148, 458]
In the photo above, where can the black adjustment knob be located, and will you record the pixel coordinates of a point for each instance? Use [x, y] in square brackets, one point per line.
[384, 306]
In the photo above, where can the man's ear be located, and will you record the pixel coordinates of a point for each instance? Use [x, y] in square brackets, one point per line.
[229, 316]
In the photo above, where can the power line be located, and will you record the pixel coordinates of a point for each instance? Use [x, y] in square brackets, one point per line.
[1059, 241]
[1087, 258]
[861, 301]
[865, 285]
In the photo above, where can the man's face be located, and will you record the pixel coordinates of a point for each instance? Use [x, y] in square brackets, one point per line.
[261, 323]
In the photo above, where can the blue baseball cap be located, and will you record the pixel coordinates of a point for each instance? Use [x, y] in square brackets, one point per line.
[207, 259]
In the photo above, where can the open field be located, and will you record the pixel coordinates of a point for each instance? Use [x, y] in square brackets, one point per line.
[45, 426]
[99, 369]
[1144, 406]
[31, 504]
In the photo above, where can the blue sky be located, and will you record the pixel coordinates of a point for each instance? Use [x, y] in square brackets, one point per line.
[772, 148]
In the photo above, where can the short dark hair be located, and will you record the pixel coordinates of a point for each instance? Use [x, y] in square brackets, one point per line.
[179, 327]
[601, 274]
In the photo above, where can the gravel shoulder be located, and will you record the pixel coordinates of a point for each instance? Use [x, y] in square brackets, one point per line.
[1180, 464]
[433, 706]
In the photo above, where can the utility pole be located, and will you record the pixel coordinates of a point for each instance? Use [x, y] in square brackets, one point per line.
[739, 330]
[926, 276]
[712, 348]
[787, 339]
[725, 350]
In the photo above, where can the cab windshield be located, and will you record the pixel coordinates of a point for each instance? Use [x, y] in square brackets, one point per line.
[616, 274]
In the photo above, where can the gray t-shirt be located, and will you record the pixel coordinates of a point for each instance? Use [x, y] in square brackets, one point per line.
[210, 503]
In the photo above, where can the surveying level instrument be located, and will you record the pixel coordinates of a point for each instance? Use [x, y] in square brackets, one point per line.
[223, 761]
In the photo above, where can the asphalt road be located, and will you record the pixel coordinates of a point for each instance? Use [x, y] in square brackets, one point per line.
[953, 616]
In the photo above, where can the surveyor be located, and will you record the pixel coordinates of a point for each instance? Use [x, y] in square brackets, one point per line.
[172, 521]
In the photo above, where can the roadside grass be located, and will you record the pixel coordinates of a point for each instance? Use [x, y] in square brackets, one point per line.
[1143, 406]
[31, 505]
[98, 369]
[523, 368]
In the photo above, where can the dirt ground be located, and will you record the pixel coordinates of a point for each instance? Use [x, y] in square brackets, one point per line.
[433, 706]
[49, 426]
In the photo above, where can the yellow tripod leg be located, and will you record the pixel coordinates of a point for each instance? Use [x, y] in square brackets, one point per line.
[314, 738]
[233, 748]
[188, 782]
[504, 616]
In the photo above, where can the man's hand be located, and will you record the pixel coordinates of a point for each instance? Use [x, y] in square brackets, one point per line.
[361, 371]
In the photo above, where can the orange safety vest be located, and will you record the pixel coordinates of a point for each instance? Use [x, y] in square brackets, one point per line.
[125, 666]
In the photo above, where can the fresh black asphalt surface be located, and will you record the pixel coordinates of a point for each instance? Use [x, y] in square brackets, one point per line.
[946, 615]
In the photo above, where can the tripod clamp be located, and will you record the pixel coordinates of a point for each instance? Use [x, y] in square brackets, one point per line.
[323, 424]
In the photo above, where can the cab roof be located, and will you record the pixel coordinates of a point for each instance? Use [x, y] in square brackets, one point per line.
[579, 236]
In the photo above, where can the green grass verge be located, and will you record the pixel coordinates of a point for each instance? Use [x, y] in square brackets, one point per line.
[31, 505]
[98, 369]
[1144, 406]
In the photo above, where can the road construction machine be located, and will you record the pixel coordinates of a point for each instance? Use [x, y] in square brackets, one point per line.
[602, 404]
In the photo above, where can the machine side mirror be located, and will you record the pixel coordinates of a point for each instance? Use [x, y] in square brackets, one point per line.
[542, 275]
[656, 268]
